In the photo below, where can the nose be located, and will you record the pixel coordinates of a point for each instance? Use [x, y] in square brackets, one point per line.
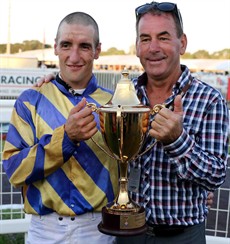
[74, 55]
[154, 45]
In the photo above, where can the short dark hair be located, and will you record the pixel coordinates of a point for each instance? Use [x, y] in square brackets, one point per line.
[154, 11]
[81, 18]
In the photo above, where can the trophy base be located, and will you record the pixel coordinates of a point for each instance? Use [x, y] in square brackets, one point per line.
[123, 224]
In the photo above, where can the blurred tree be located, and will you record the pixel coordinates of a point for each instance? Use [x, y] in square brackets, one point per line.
[223, 54]
[113, 51]
[201, 54]
[2, 48]
[24, 46]
[187, 56]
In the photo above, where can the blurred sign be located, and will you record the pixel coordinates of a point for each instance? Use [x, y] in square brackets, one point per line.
[14, 81]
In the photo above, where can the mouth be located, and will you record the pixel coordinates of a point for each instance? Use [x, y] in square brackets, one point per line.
[74, 66]
[155, 59]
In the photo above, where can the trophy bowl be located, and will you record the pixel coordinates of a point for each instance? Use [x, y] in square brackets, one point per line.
[124, 123]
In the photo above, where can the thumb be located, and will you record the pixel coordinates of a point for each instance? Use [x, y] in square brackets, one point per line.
[178, 108]
[79, 106]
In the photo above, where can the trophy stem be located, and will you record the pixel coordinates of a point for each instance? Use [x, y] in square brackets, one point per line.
[123, 168]
[123, 202]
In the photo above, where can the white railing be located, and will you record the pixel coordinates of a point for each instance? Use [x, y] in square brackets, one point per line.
[13, 219]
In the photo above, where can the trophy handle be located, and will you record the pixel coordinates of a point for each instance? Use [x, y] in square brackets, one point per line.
[141, 154]
[106, 152]
[154, 110]
[94, 108]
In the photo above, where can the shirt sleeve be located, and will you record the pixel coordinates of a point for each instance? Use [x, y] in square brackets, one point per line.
[200, 153]
[28, 158]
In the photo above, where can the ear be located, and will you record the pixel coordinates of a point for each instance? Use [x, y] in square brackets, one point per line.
[137, 49]
[183, 41]
[97, 51]
[55, 48]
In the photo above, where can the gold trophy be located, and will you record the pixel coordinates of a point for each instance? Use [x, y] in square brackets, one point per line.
[124, 122]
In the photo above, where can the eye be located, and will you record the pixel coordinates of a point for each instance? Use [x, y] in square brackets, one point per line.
[65, 45]
[86, 46]
[145, 39]
[164, 38]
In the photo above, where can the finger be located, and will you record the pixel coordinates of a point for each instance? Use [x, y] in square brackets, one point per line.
[162, 117]
[178, 107]
[40, 82]
[49, 77]
[44, 79]
[81, 127]
[79, 106]
[89, 125]
[81, 110]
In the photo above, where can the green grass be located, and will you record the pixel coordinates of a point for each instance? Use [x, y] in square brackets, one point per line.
[12, 238]
[12, 214]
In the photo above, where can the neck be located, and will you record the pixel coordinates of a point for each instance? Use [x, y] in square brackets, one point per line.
[158, 90]
[158, 94]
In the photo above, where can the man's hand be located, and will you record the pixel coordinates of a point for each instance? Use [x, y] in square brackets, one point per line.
[167, 125]
[44, 79]
[80, 124]
[210, 199]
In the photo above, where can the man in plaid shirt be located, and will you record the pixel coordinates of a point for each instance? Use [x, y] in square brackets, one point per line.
[190, 134]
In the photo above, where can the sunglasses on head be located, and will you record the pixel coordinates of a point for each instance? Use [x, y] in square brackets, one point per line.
[164, 7]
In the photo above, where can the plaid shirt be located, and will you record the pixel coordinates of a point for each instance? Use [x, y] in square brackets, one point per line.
[175, 178]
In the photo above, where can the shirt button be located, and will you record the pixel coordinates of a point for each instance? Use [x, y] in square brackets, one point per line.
[72, 218]
[72, 205]
[60, 218]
